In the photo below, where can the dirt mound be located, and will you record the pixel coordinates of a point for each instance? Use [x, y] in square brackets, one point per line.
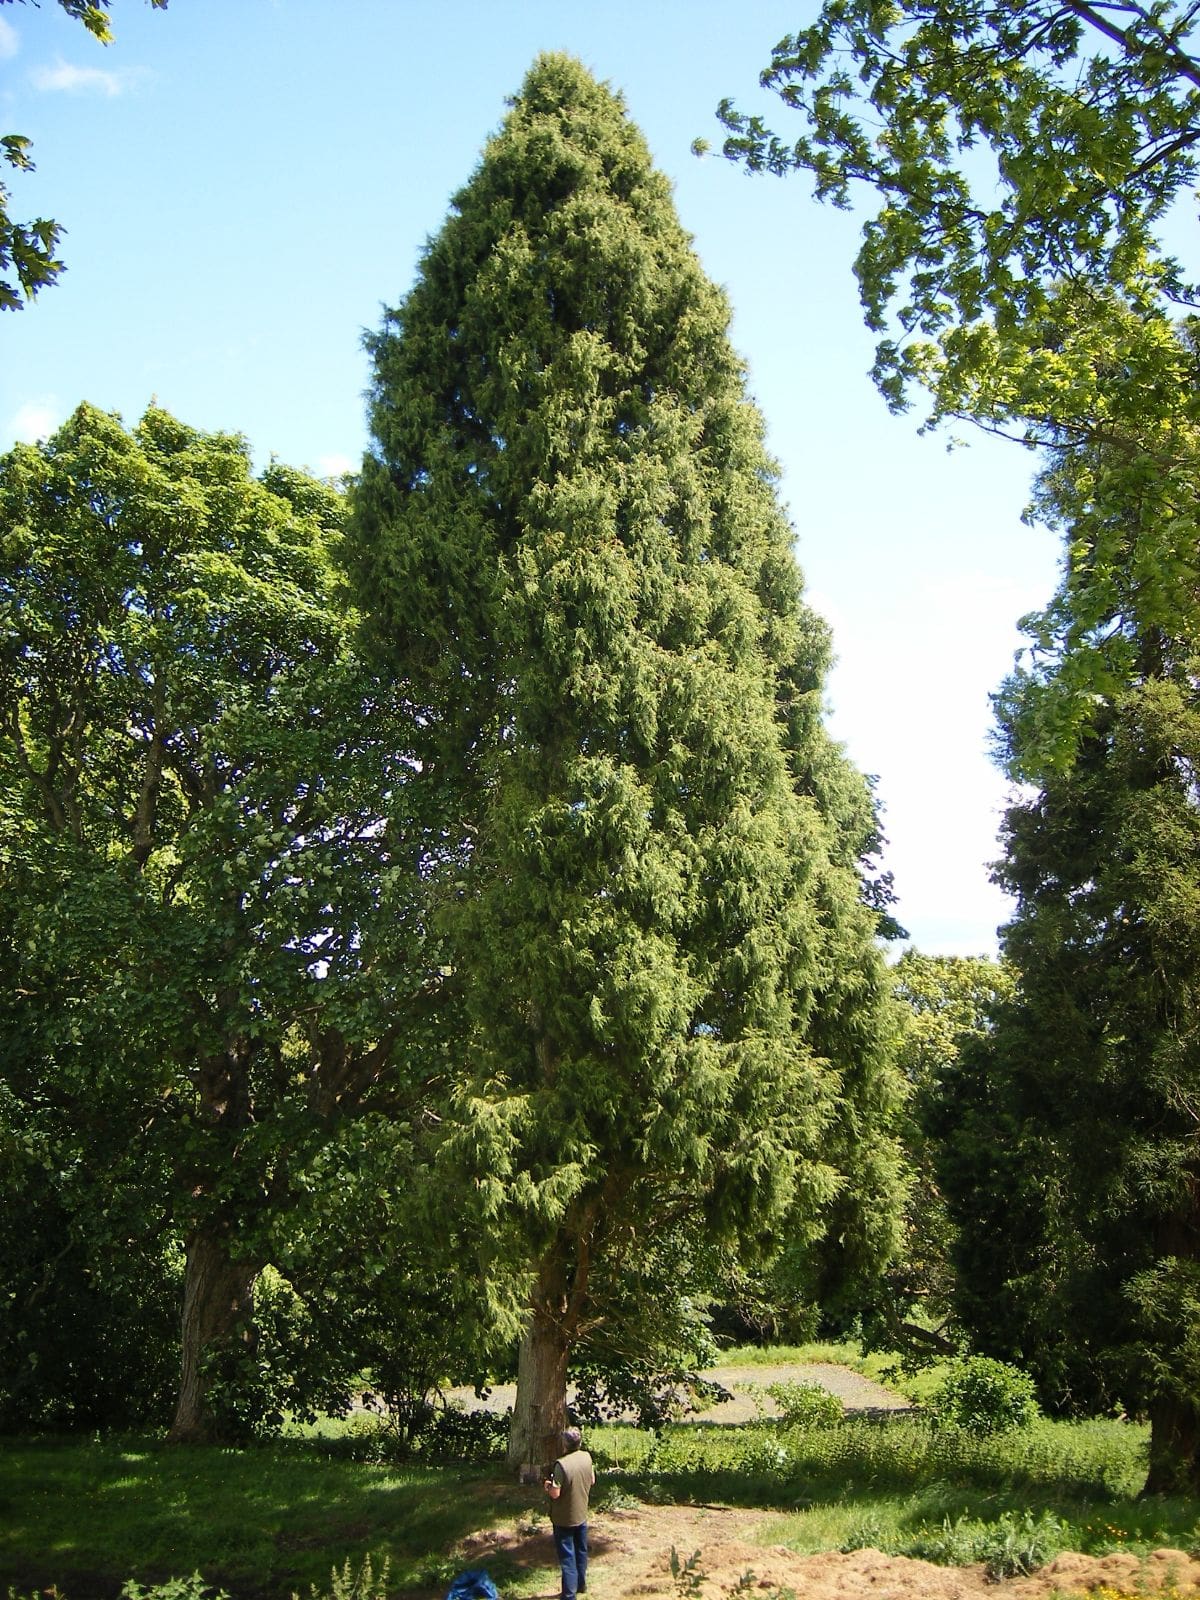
[631, 1550]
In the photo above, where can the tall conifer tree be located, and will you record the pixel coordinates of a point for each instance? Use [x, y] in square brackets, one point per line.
[1094, 1069]
[569, 541]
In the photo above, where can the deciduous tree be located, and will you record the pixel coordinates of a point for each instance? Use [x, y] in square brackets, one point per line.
[200, 785]
[1014, 148]
[1095, 1065]
[1027, 159]
[947, 1003]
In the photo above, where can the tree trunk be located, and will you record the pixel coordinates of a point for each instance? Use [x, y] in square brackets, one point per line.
[1174, 1418]
[218, 1305]
[1174, 1447]
[218, 1290]
[540, 1410]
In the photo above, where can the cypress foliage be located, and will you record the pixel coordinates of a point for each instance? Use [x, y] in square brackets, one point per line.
[568, 540]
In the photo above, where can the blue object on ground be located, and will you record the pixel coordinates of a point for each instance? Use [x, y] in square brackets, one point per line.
[473, 1585]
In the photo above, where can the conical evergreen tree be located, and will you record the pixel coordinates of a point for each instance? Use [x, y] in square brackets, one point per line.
[568, 538]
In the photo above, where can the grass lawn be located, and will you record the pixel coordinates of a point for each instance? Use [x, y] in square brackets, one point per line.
[271, 1521]
[268, 1520]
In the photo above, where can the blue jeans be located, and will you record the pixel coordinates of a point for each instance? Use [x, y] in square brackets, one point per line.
[571, 1545]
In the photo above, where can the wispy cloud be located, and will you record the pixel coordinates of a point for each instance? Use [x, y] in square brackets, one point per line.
[67, 79]
[333, 466]
[35, 419]
[10, 41]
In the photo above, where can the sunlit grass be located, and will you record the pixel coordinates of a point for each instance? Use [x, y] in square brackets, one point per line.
[273, 1520]
[905, 1486]
[847, 1353]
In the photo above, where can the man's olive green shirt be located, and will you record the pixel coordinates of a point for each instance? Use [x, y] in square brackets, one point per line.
[574, 1474]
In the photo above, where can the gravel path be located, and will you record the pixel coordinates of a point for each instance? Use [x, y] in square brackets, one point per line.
[859, 1395]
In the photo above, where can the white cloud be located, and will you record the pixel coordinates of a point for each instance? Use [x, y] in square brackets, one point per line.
[10, 41]
[81, 80]
[333, 466]
[918, 661]
[35, 419]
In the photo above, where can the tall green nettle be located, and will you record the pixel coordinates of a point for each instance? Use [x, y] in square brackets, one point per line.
[568, 539]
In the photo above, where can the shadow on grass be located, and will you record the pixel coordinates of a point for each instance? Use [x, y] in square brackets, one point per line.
[269, 1522]
[896, 1479]
[515, 1556]
[261, 1523]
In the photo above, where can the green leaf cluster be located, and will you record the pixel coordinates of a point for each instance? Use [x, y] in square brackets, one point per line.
[1028, 160]
[210, 924]
[1014, 149]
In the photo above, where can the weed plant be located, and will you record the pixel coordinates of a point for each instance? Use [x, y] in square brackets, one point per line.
[193, 1588]
[1010, 1547]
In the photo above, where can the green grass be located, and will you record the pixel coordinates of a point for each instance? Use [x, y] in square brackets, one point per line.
[907, 1487]
[877, 1364]
[845, 1354]
[269, 1522]
[264, 1521]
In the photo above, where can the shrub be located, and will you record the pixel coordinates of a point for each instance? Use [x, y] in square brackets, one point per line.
[459, 1435]
[435, 1433]
[253, 1385]
[983, 1397]
[90, 1334]
[804, 1405]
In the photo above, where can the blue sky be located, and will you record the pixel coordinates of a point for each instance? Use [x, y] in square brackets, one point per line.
[245, 184]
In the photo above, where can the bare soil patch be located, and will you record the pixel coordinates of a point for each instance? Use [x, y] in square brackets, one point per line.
[631, 1560]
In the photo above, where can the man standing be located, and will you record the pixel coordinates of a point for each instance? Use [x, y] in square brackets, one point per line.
[569, 1485]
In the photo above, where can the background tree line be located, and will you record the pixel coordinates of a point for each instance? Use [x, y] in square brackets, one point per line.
[1031, 163]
